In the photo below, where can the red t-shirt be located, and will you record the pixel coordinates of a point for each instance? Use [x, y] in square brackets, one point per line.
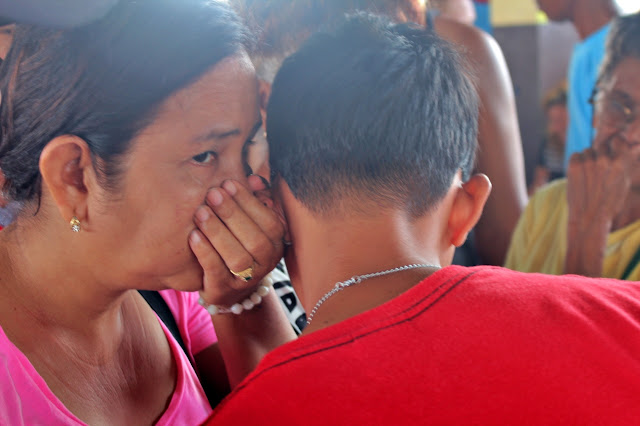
[481, 345]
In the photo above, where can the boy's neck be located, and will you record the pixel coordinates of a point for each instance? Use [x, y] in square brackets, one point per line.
[331, 250]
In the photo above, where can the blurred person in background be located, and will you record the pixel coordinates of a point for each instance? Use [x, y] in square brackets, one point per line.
[551, 158]
[283, 25]
[591, 20]
[589, 223]
[462, 11]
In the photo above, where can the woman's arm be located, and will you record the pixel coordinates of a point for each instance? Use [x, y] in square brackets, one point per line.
[599, 182]
[245, 339]
[500, 154]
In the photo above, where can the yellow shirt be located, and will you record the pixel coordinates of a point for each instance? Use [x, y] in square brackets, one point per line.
[539, 242]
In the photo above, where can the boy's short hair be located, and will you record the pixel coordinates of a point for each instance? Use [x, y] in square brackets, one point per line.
[373, 111]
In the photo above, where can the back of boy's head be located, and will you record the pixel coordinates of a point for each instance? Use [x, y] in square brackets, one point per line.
[372, 113]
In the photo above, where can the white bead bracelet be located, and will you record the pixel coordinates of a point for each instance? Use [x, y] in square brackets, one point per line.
[246, 305]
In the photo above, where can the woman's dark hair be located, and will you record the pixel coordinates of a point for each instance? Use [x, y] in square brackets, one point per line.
[104, 81]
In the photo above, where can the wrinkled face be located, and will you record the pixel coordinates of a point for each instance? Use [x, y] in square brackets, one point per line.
[199, 138]
[617, 108]
[557, 120]
[557, 10]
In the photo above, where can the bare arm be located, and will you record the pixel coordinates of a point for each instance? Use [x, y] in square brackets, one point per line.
[500, 148]
[599, 182]
[243, 340]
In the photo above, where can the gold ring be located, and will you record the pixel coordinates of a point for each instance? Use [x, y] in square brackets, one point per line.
[245, 274]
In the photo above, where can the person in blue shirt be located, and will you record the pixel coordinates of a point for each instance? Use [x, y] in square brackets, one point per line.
[591, 19]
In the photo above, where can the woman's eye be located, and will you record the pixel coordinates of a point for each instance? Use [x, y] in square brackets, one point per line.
[206, 157]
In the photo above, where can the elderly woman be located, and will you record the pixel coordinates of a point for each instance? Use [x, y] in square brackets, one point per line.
[589, 224]
[125, 143]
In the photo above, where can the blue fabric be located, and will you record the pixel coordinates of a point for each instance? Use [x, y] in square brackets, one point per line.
[583, 72]
[483, 17]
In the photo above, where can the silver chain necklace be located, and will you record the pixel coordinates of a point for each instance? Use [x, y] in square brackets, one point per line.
[358, 279]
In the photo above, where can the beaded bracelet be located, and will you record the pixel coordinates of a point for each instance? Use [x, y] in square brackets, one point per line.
[246, 305]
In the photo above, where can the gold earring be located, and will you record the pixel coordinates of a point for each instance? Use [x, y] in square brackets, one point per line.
[75, 224]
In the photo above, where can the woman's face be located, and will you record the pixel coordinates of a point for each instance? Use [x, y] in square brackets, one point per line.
[617, 108]
[198, 139]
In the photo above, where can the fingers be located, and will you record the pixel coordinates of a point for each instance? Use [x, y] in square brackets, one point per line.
[258, 183]
[229, 247]
[261, 189]
[219, 286]
[235, 231]
[263, 216]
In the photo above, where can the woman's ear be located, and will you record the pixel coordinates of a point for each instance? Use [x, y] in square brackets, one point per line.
[264, 92]
[67, 170]
[467, 207]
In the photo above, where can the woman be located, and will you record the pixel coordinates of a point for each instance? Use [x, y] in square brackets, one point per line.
[589, 224]
[125, 143]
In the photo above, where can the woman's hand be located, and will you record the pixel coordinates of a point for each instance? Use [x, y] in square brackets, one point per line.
[237, 231]
[599, 181]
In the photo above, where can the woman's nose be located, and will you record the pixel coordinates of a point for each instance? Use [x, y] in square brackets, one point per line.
[238, 171]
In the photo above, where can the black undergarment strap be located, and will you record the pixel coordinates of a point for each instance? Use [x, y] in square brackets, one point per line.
[161, 308]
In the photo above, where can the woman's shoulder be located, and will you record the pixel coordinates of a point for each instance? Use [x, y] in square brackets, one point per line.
[548, 206]
[553, 192]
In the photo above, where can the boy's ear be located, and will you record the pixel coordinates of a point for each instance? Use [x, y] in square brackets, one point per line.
[66, 166]
[466, 210]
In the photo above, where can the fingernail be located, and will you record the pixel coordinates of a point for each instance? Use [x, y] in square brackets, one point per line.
[215, 197]
[194, 237]
[230, 187]
[265, 181]
[202, 213]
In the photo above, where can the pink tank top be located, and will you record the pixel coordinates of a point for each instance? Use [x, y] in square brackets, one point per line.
[25, 398]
